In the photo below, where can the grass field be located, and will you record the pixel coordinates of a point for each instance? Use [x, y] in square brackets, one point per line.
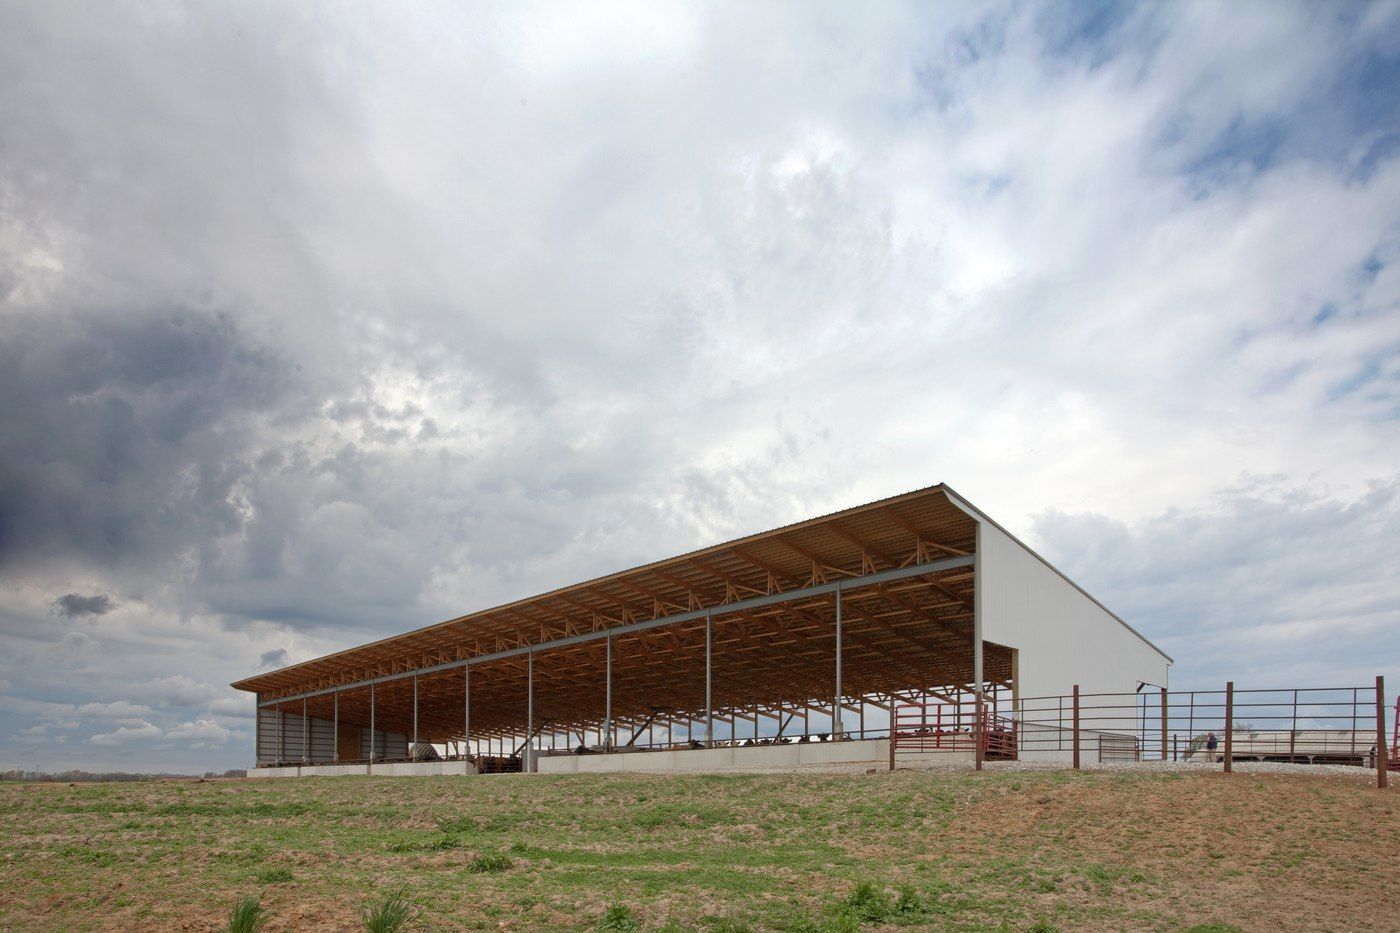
[954, 851]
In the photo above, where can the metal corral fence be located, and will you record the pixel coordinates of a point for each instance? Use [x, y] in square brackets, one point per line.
[1310, 725]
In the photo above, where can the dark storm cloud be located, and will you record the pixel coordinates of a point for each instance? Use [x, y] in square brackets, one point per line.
[276, 658]
[72, 605]
[123, 433]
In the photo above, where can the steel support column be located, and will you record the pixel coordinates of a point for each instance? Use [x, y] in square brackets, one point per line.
[836, 729]
[528, 765]
[335, 737]
[371, 723]
[709, 704]
[466, 711]
[305, 735]
[414, 751]
[607, 715]
[977, 674]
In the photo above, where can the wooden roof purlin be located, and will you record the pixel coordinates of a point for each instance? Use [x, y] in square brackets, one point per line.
[777, 587]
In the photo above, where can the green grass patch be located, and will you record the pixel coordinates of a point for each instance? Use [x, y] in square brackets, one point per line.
[274, 876]
[489, 862]
[619, 919]
[721, 853]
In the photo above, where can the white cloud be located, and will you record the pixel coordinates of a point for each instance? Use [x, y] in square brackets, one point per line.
[77, 643]
[238, 707]
[116, 709]
[37, 736]
[30, 709]
[176, 689]
[203, 733]
[125, 734]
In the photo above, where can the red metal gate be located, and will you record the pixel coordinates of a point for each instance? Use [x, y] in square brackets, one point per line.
[947, 727]
[1392, 761]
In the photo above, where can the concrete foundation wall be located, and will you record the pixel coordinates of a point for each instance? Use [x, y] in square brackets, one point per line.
[379, 769]
[874, 751]
[714, 759]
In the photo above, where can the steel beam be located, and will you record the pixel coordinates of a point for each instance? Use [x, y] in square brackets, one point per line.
[755, 602]
[646, 724]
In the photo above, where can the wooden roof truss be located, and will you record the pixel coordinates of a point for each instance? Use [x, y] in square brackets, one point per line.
[906, 576]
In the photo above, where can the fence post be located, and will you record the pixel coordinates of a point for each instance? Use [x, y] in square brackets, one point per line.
[1164, 723]
[1173, 746]
[1076, 727]
[1229, 722]
[1382, 765]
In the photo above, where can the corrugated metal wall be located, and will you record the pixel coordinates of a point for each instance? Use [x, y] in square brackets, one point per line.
[386, 744]
[320, 743]
[1063, 636]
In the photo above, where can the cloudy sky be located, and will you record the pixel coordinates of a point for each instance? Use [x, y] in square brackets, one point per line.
[321, 323]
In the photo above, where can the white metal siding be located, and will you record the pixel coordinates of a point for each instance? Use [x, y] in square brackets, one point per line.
[1064, 637]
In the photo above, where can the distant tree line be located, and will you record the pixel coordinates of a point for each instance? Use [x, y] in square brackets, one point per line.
[74, 777]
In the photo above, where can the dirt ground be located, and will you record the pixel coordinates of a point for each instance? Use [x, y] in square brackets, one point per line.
[1043, 850]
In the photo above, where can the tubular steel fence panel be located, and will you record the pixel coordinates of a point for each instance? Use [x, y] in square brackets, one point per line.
[1315, 725]
[1311, 725]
